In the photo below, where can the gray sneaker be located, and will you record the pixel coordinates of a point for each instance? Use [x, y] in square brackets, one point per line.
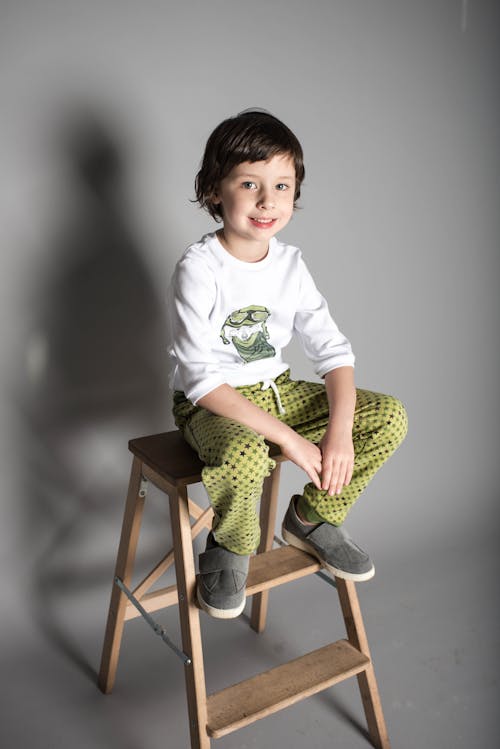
[222, 581]
[330, 544]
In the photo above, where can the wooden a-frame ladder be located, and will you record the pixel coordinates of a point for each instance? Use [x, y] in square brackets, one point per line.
[170, 464]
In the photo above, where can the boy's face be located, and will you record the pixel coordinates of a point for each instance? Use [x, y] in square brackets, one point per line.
[257, 201]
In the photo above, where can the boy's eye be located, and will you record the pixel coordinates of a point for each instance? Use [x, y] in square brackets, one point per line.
[281, 186]
[249, 185]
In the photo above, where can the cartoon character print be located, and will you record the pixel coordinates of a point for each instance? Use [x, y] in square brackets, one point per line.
[246, 329]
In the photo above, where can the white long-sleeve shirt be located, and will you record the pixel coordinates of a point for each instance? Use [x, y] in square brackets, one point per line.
[230, 320]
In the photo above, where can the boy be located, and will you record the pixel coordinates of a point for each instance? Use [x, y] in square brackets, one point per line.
[236, 298]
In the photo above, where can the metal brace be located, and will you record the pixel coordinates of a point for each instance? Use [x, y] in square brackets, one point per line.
[326, 578]
[157, 628]
[143, 489]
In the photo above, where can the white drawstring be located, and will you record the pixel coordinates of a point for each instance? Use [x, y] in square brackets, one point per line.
[271, 384]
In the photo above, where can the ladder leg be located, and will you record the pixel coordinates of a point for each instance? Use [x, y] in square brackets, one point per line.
[189, 618]
[124, 566]
[268, 508]
[367, 682]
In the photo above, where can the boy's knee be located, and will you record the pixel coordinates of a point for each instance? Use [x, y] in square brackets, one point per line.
[254, 459]
[397, 418]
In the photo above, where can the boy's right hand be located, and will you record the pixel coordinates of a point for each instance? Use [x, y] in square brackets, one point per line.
[304, 454]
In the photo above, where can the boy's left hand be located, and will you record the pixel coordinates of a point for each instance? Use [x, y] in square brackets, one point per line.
[337, 452]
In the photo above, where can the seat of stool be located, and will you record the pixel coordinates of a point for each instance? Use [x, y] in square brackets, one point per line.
[169, 455]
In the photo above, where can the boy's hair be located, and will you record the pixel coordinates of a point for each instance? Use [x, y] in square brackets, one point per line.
[253, 135]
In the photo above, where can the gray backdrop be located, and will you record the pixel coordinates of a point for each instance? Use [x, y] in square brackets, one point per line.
[105, 109]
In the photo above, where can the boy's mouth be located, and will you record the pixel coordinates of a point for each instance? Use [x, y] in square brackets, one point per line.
[263, 223]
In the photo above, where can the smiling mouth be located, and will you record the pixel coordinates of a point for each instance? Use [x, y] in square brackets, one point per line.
[263, 222]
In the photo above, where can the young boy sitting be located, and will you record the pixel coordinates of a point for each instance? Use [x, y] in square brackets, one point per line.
[236, 298]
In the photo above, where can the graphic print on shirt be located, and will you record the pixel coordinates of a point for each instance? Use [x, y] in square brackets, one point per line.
[246, 329]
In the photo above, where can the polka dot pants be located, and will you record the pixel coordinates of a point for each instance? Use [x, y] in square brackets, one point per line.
[237, 459]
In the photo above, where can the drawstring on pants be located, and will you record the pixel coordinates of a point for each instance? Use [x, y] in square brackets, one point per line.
[271, 384]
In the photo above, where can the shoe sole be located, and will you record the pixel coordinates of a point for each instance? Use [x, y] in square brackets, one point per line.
[219, 613]
[299, 543]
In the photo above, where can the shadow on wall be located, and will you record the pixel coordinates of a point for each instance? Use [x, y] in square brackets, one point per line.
[96, 376]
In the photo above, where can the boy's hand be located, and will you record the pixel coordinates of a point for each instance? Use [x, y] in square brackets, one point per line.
[304, 454]
[337, 460]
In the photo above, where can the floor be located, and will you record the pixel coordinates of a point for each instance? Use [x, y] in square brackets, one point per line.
[431, 623]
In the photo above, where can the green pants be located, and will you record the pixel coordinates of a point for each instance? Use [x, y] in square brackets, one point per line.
[237, 458]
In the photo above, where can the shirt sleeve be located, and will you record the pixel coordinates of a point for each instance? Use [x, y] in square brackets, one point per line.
[324, 344]
[191, 299]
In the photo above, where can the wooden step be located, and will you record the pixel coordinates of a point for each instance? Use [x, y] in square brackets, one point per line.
[267, 570]
[278, 566]
[266, 693]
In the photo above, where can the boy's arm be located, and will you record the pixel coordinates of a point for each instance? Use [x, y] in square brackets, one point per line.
[336, 445]
[226, 401]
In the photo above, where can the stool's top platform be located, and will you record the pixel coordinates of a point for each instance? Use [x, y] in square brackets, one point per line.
[170, 455]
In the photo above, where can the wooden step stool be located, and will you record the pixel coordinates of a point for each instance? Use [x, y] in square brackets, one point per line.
[169, 463]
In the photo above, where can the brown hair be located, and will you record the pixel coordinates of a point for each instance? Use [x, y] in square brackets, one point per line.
[252, 135]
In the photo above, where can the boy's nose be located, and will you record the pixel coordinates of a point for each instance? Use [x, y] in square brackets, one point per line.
[265, 200]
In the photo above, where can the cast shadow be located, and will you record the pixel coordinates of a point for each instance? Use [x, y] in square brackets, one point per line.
[95, 376]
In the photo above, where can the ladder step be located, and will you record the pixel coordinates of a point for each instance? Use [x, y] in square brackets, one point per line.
[278, 566]
[267, 570]
[266, 693]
